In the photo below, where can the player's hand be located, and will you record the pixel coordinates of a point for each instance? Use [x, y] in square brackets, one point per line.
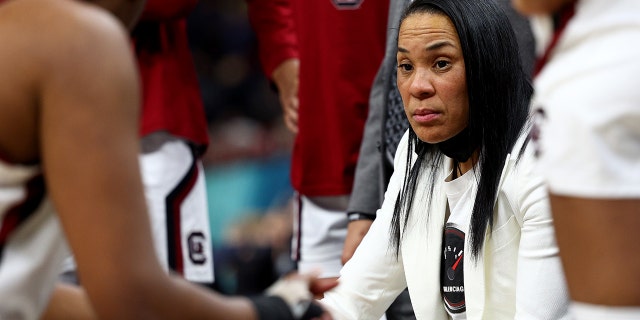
[356, 230]
[298, 291]
[286, 77]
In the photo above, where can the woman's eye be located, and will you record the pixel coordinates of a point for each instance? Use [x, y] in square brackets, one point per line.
[441, 64]
[405, 67]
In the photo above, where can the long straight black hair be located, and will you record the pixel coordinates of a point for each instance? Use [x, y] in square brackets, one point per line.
[499, 92]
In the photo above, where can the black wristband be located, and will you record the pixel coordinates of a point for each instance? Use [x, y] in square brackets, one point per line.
[355, 216]
[271, 308]
[275, 308]
[313, 311]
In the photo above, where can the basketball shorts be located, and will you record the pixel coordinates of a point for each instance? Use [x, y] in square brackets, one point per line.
[176, 196]
[318, 237]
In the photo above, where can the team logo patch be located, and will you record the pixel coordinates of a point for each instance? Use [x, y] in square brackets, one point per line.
[451, 272]
[347, 4]
[196, 242]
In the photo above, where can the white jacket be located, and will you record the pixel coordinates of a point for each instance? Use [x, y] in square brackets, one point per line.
[518, 274]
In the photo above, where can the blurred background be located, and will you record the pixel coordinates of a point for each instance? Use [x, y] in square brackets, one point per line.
[247, 162]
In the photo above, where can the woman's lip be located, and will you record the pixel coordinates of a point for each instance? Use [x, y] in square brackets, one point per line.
[423, 111]
[425, 115]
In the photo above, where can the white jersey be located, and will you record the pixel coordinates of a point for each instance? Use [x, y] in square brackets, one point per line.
[587, 103]
[31, 242]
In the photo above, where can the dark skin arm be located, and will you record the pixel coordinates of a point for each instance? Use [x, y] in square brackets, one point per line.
[598, 241]
[286, 78]
[273, 22]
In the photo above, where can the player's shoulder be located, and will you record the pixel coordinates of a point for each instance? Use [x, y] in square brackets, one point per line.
[57, 14]
[48, 25]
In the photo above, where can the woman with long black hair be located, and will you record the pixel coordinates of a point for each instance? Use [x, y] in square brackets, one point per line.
[465, 224]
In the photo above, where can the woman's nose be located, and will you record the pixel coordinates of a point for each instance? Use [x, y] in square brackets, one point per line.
[422, 83]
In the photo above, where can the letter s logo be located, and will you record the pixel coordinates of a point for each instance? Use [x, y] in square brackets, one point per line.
[197, 253]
